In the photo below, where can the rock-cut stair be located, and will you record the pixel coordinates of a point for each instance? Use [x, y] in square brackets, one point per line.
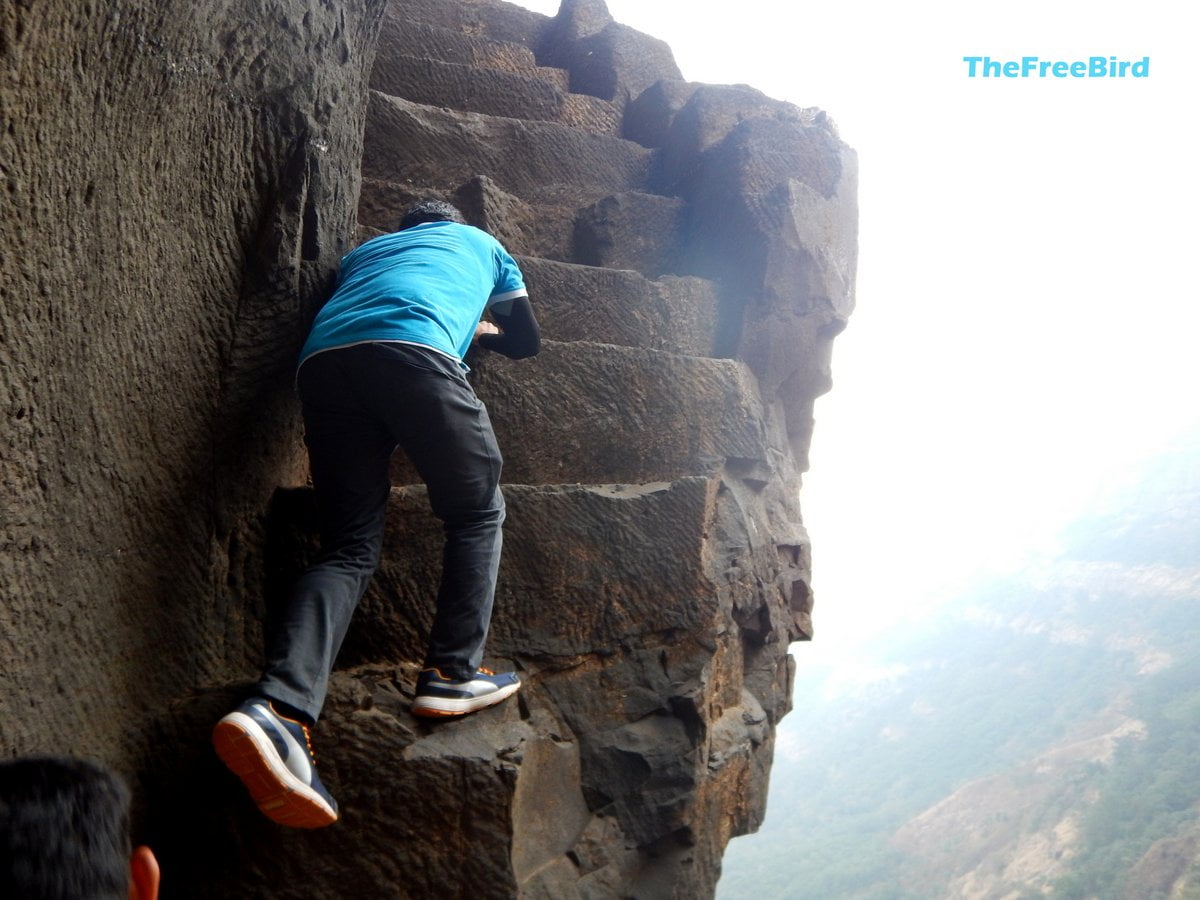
[638, 474]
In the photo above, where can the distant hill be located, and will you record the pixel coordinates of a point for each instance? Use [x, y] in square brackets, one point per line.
[1041, 738]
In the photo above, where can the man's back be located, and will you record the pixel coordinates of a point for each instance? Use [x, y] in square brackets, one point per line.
[425, 285]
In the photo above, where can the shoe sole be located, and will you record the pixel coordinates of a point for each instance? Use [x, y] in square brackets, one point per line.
[445, 707]
[278, 794]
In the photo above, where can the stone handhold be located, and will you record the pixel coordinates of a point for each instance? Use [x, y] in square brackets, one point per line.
[381, 203]
[619, 63]
[591, 114]
[577, 19]
[607, 414]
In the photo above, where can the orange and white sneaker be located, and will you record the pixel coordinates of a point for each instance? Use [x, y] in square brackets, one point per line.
[439, 696]
[273, 757]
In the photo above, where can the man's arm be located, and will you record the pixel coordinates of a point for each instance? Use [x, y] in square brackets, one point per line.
[519, 336]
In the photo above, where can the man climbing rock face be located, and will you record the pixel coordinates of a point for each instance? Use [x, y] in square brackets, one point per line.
[383, 368]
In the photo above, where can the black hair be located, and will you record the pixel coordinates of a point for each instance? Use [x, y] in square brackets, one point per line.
[430, 211]
[64, 830]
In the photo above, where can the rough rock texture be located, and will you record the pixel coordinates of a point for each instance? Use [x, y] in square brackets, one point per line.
[180, 181]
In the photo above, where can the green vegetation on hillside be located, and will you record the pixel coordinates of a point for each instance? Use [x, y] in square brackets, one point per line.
[976, 700]
[1017, 667]
[1152, 789]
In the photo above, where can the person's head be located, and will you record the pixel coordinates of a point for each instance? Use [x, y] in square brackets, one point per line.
[430, 211]
[64, 834]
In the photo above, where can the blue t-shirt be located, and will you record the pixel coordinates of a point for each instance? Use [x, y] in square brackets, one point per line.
[426, 285]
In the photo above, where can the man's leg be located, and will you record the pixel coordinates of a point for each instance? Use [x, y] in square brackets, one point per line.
[470, 564]
[464, 491]
[349, 453]
[266, 741]
[446, 432]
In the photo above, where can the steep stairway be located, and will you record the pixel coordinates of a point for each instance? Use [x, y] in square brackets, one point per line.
[616, 439]
[436, 66]
[625, 393]
[655, 565]
[476, 108]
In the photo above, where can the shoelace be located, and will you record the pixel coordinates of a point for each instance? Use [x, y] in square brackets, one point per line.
[303, 727]
[308, 742]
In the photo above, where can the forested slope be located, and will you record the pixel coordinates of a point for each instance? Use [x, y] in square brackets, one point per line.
[1040, 736]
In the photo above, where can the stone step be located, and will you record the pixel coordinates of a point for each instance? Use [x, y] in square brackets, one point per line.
[677, 314]
[592, 114]
[544, 229]
[518, 95]
[599, 413]
[614, 604]
[572, 539]
[400, 37]
[493, 19]
[632, 230]
[538, 162]
[458, 37]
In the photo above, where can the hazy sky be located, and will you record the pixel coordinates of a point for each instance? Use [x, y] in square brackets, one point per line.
[1027, 309]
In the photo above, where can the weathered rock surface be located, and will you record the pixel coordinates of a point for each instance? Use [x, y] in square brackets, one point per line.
[605, 414]
[633, 230]
[440, 149]
[180, 181]
[179, 184]
[604, 58]
[615, 306]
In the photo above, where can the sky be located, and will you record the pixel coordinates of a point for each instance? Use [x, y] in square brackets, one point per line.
[1026, 309]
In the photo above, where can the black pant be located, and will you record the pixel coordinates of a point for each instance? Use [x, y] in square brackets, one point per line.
[360, 403]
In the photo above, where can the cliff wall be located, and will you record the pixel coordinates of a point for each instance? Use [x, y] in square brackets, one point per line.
[181, 180]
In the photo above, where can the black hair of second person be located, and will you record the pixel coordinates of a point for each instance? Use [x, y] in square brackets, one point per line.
[430, 211]
[64, 830]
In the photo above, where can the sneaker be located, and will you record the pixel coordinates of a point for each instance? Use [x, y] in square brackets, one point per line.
[438, 695]
[273, 756]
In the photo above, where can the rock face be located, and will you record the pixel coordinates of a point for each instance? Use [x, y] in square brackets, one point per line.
[181, 180]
